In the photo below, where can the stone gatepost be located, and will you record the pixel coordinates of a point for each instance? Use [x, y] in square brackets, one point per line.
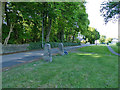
[47, 53]
[61, 49]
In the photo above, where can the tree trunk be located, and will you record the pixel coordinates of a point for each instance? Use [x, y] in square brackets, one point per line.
[8, 37]
[43, 31]
[69, 38]
[62, 35]
[73, 37]
[67, 34]
[45, 25]
[49, 29]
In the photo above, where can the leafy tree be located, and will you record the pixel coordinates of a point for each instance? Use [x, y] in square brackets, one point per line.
[109, 40]
[92, 34]
[20, 15]
[102, 39]
[56, 21]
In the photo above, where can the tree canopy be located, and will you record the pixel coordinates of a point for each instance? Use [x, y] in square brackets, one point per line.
[26, 22]
[92, 34]
[102, 39]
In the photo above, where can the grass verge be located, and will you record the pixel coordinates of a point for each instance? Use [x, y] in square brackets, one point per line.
[76, 70]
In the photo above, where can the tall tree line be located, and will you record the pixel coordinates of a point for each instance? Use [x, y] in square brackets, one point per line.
[25, 22]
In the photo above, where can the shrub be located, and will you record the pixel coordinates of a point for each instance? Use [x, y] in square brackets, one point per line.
[35, 45]
[118, 43]
[38, 45]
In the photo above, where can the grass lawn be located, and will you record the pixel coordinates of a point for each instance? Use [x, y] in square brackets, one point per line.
[76, 70]
[115, 48]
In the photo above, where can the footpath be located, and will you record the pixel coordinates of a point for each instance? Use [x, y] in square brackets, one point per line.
[25, 57]
[110, 49]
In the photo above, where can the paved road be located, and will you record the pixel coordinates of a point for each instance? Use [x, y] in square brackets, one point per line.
[110, 49]
[19, 58]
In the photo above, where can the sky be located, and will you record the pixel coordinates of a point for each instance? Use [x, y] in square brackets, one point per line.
[97, 21]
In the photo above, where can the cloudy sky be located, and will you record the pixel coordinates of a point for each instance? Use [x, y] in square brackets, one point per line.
[97, 21]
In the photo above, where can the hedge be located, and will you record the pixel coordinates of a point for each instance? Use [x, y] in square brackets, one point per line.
[38, 45]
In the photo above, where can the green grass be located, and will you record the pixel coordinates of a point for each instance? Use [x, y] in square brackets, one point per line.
[99, 49]
[76, 70]
[115, 48]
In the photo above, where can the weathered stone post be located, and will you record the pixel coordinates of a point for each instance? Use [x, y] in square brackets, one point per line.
[47, 53]
[61, 49]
